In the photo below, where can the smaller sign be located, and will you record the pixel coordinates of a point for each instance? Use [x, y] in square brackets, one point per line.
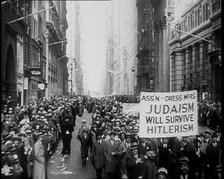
[41, 86]
[35, 71]
[25, 84]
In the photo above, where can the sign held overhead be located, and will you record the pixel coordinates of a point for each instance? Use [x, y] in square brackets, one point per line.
[168, 114]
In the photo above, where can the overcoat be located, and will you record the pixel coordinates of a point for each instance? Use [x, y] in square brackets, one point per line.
[112, 161]
[134, 170]
[97, 154]
[39, 161]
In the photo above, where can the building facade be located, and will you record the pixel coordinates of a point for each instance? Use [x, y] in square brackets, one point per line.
[121, 48]
[145, 58]
[195, 50]
[13, 47]
[30, 68]
[56, 65]
[163, 13]
[75, 79]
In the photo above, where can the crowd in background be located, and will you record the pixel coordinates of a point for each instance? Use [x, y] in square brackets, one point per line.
[210, 114]
[31, 133]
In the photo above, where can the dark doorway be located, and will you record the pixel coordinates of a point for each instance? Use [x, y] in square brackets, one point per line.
[10, 75]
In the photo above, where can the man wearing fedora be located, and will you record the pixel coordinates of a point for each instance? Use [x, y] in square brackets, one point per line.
[85, 144]
[97, 155]
[112, 154]
[212, 158]
[81, 129]
[183, 169]
[66, 133]
[134, 163]
[149, 170]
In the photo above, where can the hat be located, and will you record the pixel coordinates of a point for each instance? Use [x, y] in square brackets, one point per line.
[183, 160]
[84, 131]
[118, 120]
[112, 132]
[163, 170]
[94, 123]
[214, 135]
[207, 132]
[117, 129]
[136, 129]
[128, 134]
[28, 131]
[99, 133]
[83, 121]
[16, 137]
[134, 146]
[40, 134]
[6, 136]
[123, 132]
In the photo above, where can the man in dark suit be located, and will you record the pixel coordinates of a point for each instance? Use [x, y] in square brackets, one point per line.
[85, 144]
[134, 163]
[212, 158]
[66, 132]
[182, 171]
[164, 153]
[97, 155]
[143, 146]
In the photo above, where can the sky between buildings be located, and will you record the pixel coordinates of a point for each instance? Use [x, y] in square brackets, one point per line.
[93, 27]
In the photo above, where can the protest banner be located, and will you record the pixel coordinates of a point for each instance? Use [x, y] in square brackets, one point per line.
[168, 114]
[131, 108]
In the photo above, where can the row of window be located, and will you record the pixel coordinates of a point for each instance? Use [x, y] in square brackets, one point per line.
[195, 17]
[192, 67]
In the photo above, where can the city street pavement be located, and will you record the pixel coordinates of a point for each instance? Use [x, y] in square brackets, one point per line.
[71, 167]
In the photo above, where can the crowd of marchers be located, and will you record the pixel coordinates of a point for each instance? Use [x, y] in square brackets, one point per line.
[117, 151]
[31, 133]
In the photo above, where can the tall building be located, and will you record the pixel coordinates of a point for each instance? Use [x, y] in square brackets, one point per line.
[34, 57]
[121, 48]
[145, 58]
[195, 50]
[56, 64]
[73, 49]
[163, 13]
[14, 49]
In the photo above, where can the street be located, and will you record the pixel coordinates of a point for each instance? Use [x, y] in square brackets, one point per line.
[72, 166]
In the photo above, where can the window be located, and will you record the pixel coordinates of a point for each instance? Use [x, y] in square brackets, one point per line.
[197, 56]
[200, 15]
[192, 19]
[35, 31]
[196, 18]
[189, 22]
[206, 11]
[204, 14]
[190, 59]
[185, 23]
[184, 60]
[204, 60]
